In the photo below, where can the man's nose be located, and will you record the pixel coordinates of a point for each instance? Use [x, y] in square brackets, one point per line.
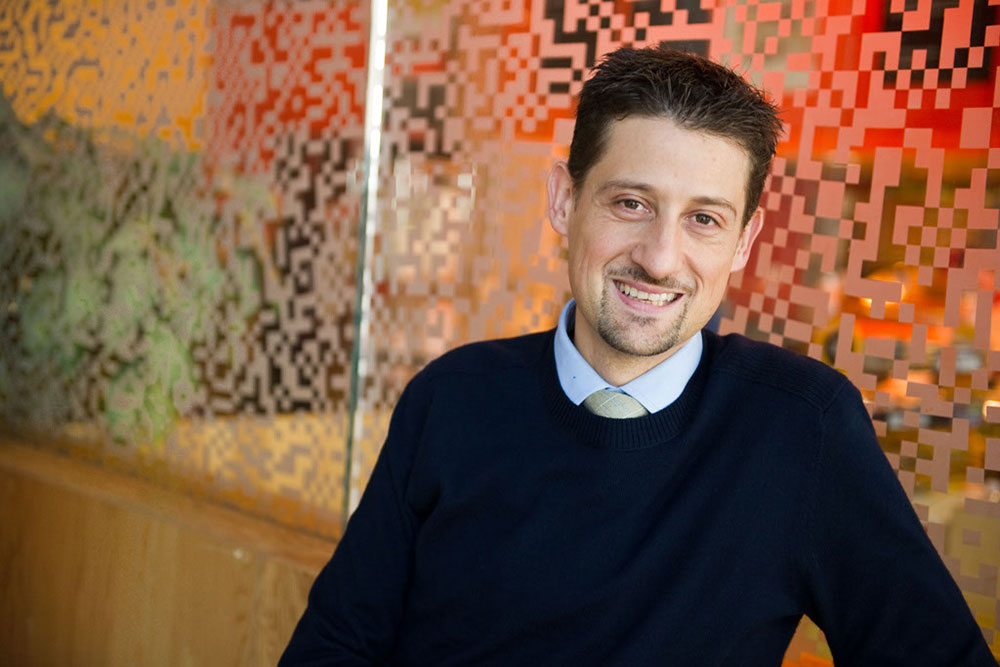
[659, 249]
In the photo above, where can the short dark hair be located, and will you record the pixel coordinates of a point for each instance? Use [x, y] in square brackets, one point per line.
[694, 92]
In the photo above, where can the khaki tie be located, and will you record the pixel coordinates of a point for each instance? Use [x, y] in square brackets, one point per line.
[614, 405]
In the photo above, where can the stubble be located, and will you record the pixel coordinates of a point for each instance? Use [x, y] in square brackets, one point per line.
[636, 335]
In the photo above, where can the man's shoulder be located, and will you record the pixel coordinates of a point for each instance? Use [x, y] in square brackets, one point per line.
[490, 356]
[772, 367]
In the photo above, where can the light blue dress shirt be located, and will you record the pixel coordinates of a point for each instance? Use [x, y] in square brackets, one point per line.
[655, 389]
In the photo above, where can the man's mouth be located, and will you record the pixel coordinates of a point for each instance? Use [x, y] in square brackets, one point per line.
[653, 299]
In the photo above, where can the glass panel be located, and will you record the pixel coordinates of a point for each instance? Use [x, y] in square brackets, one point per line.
[180, 220]
[460, 254]
[879, 254]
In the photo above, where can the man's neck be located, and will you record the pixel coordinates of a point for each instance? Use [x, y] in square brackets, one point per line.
[655, 388]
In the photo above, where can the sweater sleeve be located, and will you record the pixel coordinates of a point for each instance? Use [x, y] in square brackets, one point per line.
[356, 602]
[879, 590]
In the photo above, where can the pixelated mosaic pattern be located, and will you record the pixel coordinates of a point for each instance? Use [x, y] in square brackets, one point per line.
[880, 252]
[138, 65]
[179, 241]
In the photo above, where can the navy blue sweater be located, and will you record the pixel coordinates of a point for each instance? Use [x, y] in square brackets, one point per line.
[504, 525]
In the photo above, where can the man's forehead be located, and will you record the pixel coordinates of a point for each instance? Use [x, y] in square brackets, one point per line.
[640, 150]
[639, 129]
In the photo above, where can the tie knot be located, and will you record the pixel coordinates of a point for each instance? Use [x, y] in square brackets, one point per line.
[614, 405]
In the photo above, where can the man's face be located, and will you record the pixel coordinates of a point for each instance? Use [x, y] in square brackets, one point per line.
[654, 233]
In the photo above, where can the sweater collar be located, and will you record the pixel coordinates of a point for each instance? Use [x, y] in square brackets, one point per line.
[624, 434]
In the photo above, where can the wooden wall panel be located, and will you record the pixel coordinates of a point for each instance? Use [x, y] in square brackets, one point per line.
[91, 577]
[283, 592]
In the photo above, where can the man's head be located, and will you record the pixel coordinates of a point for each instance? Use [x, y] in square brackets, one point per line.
[694, 92]
[655, 202]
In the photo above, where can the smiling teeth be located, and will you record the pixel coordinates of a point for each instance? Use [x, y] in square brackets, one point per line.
[639, 295]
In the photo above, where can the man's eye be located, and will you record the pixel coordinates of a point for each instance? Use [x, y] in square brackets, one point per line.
[631, 204]
[705, 219]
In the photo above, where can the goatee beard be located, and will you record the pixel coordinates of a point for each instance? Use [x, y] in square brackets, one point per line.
[616, 334]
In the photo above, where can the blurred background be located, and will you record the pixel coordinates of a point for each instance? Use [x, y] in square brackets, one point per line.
[231, 231]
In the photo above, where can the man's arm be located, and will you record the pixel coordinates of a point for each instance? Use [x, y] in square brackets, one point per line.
[357, 600]
[880, 591]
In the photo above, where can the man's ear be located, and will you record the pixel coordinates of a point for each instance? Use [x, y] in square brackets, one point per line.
[747, 237]
[560, 189]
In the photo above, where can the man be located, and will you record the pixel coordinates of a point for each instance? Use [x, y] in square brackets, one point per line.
[630, 489]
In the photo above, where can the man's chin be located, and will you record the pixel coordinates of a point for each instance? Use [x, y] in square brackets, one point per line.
[633, 347]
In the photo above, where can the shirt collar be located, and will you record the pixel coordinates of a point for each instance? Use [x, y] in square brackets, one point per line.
[655, 389]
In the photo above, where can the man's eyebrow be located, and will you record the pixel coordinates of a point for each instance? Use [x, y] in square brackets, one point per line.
[716, 201]
[621, 184]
